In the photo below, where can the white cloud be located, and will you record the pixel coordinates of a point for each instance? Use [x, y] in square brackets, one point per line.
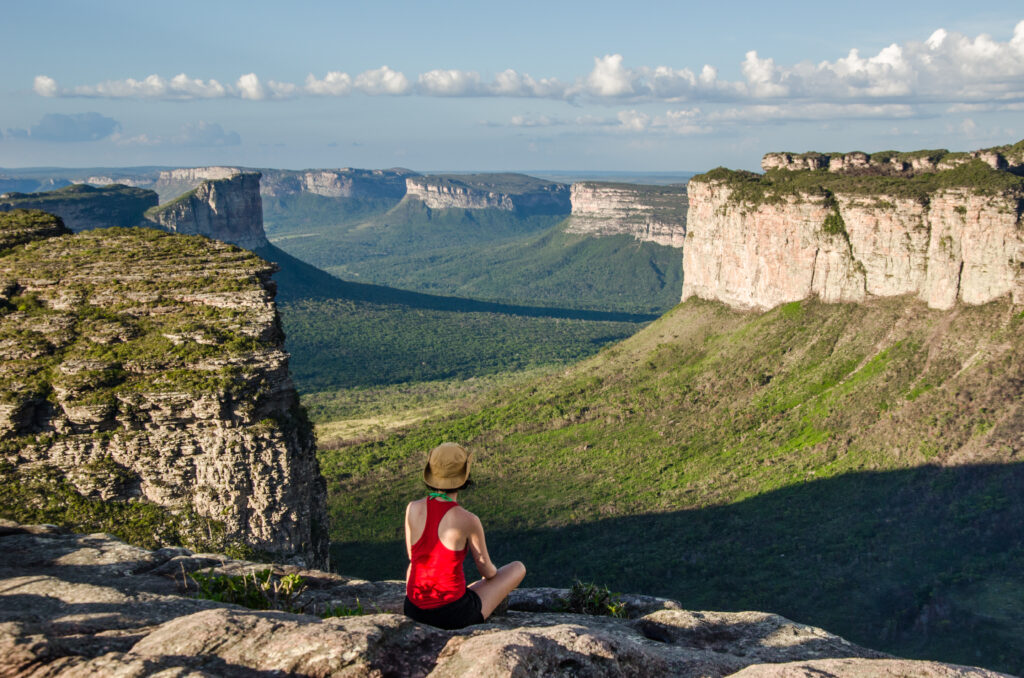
[45, 86]
[335, 83]
[946, 67]
[609, 78]
[382, 80]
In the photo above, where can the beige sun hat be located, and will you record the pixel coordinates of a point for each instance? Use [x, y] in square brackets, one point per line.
[447, 466]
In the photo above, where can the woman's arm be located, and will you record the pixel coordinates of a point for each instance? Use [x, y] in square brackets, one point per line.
[478, 547]
[408, 532]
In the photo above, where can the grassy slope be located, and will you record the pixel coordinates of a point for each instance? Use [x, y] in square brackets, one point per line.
[852, 466]
[330, 232]
[485, 254]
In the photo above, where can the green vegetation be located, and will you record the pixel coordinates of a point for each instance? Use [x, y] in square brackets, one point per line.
[257, 590]
[42, 494]
[552, 268]
[337, 343]
[779, 185]
[588, 598]
[19, 226]
[810, 461]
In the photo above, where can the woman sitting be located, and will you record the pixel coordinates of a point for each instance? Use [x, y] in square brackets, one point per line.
[437, 533]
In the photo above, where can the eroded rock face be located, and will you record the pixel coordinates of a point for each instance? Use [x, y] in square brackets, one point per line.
[649, 213]
[340, 183]
[148, 368]
[90, 605]
[228, 209]
[519, 193]
[959, 247]
[893, 163]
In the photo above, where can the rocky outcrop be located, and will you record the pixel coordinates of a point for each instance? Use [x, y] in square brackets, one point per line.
[509, 192]
[144, 387]
[169, 184]
[650, 213]
[228, 209]
[755, 244]
[339, 183]
[895, 163]
[84, 207]
[90, 605]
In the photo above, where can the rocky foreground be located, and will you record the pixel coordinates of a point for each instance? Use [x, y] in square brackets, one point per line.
[83, 605]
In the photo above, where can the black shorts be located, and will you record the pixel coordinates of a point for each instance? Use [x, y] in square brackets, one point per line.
[454, 615]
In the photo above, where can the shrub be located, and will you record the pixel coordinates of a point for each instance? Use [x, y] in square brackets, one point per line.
[589, 598]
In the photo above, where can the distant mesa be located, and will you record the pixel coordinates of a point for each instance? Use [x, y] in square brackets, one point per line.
[649, 213]
[83, 207]
[510, 192]
[337, 183]
[946, 229]
[228, 209]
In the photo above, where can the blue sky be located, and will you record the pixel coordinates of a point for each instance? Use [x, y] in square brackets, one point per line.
[625, 86]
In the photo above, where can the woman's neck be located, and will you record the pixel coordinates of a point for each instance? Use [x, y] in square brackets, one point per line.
[442, 495]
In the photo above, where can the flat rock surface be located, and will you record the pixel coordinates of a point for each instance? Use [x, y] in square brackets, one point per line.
[85, 605]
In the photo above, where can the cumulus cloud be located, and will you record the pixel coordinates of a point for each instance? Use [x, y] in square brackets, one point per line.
[382, 80]
[946, 67]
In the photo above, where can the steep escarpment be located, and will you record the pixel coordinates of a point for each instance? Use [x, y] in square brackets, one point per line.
[144, 391]
[82, 207]
[169, 184]
[67, 606]
[508, 192]
[897, 163]
[336, 183]
[757, 241]
[649, 213]
[227, 209]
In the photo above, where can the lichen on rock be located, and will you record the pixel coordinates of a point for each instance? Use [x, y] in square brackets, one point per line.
[144, 389]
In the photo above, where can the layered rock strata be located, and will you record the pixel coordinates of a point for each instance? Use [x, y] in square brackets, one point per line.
[895, 163]
[83, 207]
[90, 605]
[649, 213]
[754, 248]
[509, 192]
[340, 183]
[169, 184]
[146, 370]
[227, 209]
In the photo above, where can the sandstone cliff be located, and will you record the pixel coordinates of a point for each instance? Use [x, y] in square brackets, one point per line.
[169, 184]
[509, 192]
[82, 207]
[651, 213]
[896, 163]
[90, 605]
[227, 209]
[952, 236]
[340, 183]
[144, 388]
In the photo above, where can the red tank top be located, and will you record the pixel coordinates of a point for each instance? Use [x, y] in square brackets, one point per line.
[436, 577]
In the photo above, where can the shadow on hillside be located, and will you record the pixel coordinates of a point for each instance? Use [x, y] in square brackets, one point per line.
[925, 562]
[299, 280]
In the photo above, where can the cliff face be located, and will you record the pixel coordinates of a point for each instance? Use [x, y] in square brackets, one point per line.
[650, 213]
[225, 209]
[952, 238]
[509, 192]
[341, 183]
[83, 207]
[144, 382]
[169, 184]
[895, 163]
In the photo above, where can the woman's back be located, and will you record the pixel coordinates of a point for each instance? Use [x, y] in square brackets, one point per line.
[436, 553]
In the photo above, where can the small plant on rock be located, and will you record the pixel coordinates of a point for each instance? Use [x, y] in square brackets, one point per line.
[589, 598]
